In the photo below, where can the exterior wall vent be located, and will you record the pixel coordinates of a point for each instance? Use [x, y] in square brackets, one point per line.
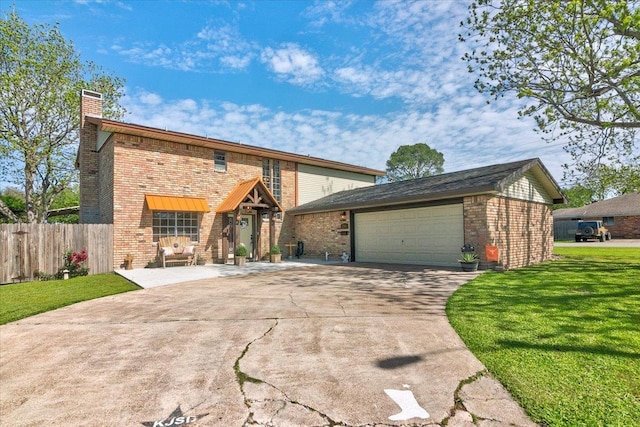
[91, 94]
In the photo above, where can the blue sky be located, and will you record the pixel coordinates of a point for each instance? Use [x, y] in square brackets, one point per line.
[349, 81]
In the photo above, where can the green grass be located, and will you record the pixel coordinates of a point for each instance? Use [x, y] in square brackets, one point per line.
[562, 336]
[21, 300]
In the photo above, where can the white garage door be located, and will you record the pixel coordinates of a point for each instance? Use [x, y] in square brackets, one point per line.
[429, 236]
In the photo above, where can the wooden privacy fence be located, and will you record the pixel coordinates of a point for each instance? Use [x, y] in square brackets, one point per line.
[564, 229]
[27, 248]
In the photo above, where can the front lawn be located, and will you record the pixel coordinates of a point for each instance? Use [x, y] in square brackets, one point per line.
[21, 300]
[562, 336]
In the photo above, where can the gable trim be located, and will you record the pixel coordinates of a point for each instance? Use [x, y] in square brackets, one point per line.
[251, 193]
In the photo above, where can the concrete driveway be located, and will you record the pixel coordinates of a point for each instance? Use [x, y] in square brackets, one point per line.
[356, 345]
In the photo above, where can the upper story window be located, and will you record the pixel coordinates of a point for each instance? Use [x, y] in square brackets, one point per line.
[272, 178]
[276, 187]
[220, 161]
[266, 172]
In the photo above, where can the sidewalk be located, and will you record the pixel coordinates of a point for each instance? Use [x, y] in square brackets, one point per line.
[154, 277]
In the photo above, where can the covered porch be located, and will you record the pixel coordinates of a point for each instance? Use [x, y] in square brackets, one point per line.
[245, 213]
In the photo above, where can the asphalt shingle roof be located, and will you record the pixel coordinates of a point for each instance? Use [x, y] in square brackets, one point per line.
[487, 179]
[625, 205]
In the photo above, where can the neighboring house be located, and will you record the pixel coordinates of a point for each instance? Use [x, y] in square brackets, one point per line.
[620, 215]
[150, 183]
[428, 220]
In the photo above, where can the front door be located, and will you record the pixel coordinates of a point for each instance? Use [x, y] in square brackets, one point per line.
[247, 234]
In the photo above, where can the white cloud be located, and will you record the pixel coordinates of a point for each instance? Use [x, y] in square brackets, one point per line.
[293, 64]
[142, 53]
[236, 62]
[120, 4]
[323, 12]
[468, 135]
[213, 49]
[150, 98]
[410, 53]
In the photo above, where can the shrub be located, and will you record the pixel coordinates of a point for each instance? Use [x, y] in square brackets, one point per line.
[469, 257]
[241, 250]
[74, 263]
[275, 250]
[42, 276]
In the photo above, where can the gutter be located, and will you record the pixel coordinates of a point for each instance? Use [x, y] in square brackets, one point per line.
[395, 201]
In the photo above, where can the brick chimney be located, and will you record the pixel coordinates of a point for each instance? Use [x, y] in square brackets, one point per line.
[90, 105]
[87, 160]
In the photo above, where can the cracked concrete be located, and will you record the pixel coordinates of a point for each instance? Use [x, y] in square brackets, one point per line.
[491, 405]
[312, 347]
[274, 408]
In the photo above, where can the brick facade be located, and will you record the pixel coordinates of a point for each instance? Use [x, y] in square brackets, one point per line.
[115, 181]
[120, 164]
[320, 233]
[521, 230]
[174, 169]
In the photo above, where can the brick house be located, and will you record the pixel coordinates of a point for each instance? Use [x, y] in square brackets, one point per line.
[427, 220]
[621, 216]
[150, 183]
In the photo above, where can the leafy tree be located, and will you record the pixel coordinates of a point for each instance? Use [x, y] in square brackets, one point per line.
[613, 181]
[41, 76]
[578, 195]
[414, 161]
[575, 63]
[12, 206]
[67, 198]
[625, 179]
[605, 182]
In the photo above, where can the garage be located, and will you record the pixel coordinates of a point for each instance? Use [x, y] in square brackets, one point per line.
[425, 221]
[429, 235]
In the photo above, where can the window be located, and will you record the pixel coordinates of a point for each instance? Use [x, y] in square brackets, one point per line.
[220, 161]
[608, 220]
[176, 224]
[275, 186]
[266, 173]
[271, 177]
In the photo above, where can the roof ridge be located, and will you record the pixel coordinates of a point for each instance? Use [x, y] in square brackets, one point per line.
[486, 179]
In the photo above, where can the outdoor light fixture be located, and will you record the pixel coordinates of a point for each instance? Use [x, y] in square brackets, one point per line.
[343, 216]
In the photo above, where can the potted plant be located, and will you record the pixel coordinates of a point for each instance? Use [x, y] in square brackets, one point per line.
[200, 260]
[469, 261]
[241, 255]
[275, 255]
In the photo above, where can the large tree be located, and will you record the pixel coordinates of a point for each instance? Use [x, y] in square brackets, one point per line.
[574, 63]
[414, 161]
[41, 76]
